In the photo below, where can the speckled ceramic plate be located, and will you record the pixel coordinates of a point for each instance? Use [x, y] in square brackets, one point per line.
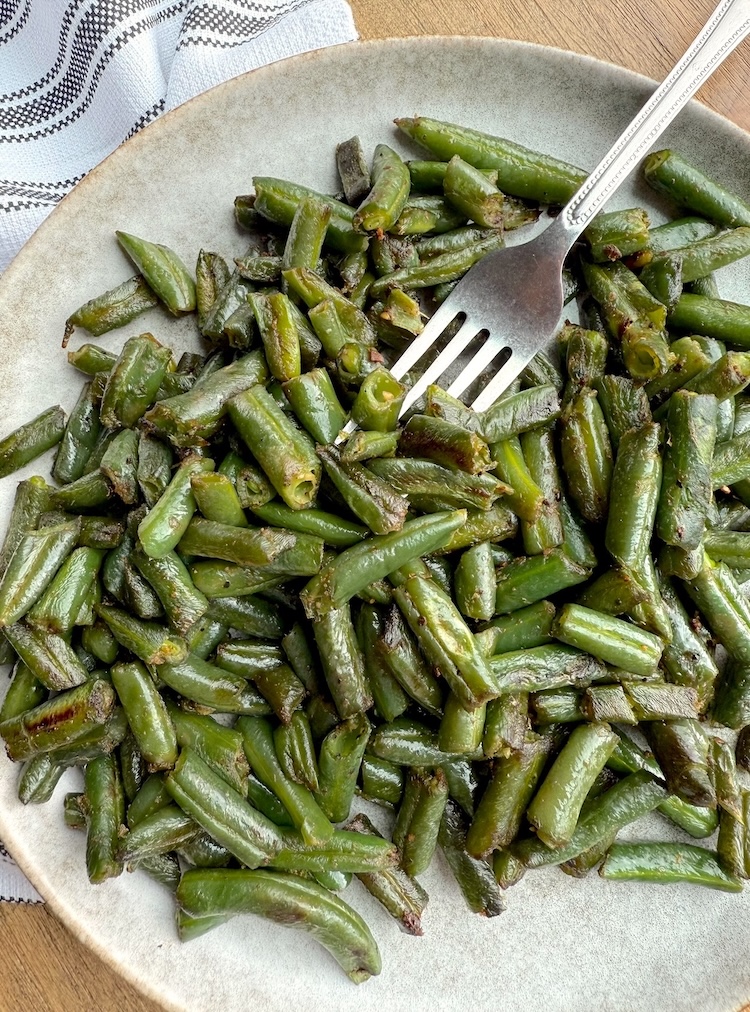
[562, 944]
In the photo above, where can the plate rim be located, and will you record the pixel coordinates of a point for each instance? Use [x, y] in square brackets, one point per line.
[15, 844]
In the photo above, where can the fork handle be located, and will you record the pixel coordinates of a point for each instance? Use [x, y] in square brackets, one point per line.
[724, 30]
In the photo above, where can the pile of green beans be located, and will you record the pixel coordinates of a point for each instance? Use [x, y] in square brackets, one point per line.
[516, 632]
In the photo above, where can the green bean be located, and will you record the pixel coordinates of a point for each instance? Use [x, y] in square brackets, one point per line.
[81, 433]
[698, 822]
[316, 405]
[719, 319]
[211, 275]
[163, 526]
[549, 666]
[382, 781]
[263, 664]
[119, 465]
[473, 193]
[476, 583]
[224, 579]
[330, 528]
[25, 691]
[30, 502]
[289, 901]
[686, 658]
[524, 628]
[353, 170]
[546, 531]
[669, 173]
[339, 761]
[307, 232]
[601, 818]
[277, 200]
[445, 443]
[624, 405]
[190, 418]
[366, 445]
[163, 271]
[418, 822]
[285, 454]
[616, 234]
[59, 721]
[222, 812]
[30, 440]
[246, 547]
[104, 810]
[58, 608]
[219, 747]
[49, 657]
[586, 454]
[521, 172]
[112, 309]
[295, 751]
[461, 730]
[166, 830]
[133, 381]
[505, 725]
[475, 878]
[512, 784]
[210, 686]
[389, 698]
[399, 893]
[685, 494]
[372, 500]
[662, 701]
[248, 615]
[428, 484]
[666, 863]
[396, 649]
[150, 641]
[633, 317]
[342, 661]
[341, 855]
[681, 748]
[610, 639]
[39, 778]
[407, 742]
[535, 578]
[147, 715]
[378, 401]
[92, 359]
[371, 560]
[31, 569]
[557, 804]
[439, 269]
[520, 412]
[717, 595]
[305, 811]
[382, 206]
[635, 490]
[446, 640]
[724, 772]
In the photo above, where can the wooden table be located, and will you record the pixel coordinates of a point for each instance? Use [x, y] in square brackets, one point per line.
[43, 966]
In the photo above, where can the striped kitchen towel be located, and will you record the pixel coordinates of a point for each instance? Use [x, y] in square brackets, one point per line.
[78, 77]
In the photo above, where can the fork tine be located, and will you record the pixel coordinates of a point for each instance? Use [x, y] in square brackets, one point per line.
[489, 350]
[440, 319]
[435, 370]
[504, 376]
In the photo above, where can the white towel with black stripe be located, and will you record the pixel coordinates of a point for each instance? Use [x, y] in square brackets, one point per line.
[78, 77]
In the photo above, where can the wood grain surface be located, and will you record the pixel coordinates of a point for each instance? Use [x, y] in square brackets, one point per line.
[42, 966]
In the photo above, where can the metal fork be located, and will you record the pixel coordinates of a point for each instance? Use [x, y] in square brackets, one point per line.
[515, 294]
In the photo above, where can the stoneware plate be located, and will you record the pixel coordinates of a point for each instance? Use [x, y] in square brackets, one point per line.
[562, 944]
